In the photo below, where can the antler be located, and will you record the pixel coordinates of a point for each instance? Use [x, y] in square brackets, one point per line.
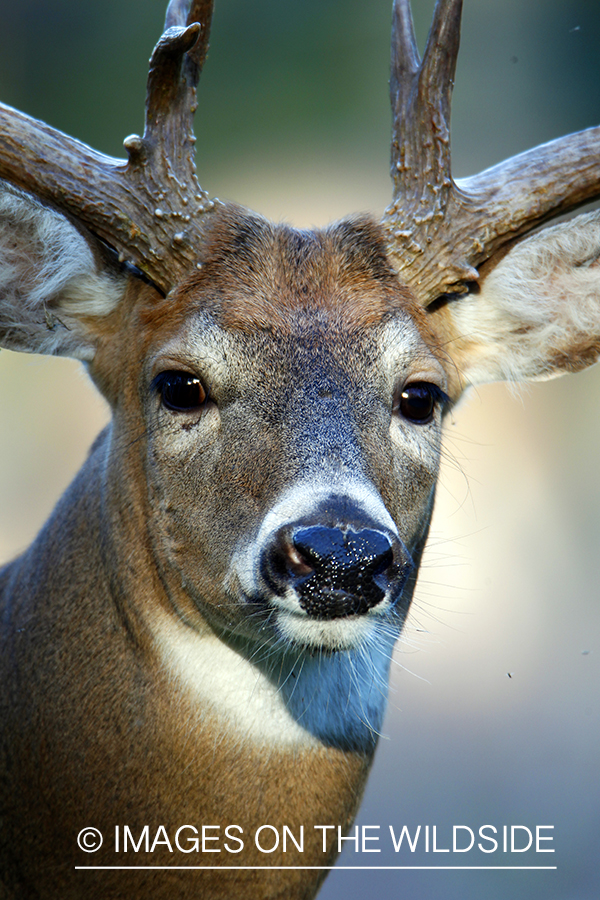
[150, 208]
[439, 230]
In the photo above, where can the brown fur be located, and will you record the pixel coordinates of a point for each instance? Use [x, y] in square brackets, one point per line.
[116, 738]
[258, 276]
[116, 741]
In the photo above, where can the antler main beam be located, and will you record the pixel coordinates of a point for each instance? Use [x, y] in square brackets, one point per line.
[150, 208]
[440, 230]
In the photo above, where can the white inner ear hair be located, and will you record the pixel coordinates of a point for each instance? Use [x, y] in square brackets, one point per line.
[538, 312]
[49, 276]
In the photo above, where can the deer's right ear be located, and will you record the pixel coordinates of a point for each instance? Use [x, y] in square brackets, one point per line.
[53, 281]
[537, 311]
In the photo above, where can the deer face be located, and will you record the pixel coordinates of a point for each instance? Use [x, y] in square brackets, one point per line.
[292, 408]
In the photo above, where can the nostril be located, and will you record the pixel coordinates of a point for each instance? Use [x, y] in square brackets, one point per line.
[283, 563]
[299, 564]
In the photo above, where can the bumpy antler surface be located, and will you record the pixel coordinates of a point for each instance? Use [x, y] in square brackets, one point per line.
[440, 230]
[150, 208]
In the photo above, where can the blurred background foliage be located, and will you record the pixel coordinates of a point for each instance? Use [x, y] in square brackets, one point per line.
[302, 85]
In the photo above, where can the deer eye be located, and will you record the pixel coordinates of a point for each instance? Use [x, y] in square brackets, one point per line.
[180, 391]
[417, 401]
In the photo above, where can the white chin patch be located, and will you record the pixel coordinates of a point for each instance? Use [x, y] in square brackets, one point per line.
[346, 633]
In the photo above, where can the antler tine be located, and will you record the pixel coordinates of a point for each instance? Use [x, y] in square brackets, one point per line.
[170, 105]
[404, 68]
[441, 53]
[151, 208]
[405, 54]
[439, 231]
[420, 96]
[436, 80]
[175, 69]
[184, 12]
[421, 163]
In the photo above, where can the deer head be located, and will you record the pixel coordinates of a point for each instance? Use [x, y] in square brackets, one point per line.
[268, 480]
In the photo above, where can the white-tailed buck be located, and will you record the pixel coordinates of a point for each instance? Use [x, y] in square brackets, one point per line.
[198, 642]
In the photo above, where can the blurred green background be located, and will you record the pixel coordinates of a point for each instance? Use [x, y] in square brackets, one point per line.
[294, 122]
[299, 86]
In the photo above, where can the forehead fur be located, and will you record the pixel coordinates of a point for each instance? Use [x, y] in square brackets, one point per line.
[256, 275]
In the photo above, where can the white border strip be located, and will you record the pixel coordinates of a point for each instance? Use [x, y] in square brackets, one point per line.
[351, 868]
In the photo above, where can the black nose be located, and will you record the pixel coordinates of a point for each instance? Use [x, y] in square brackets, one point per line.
[337, 572]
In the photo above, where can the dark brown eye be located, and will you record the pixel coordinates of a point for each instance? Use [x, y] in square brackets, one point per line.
[180, 391]
[417, 401]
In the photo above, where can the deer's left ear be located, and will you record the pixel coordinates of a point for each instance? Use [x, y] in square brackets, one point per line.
[54, 281]
[536, 313]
